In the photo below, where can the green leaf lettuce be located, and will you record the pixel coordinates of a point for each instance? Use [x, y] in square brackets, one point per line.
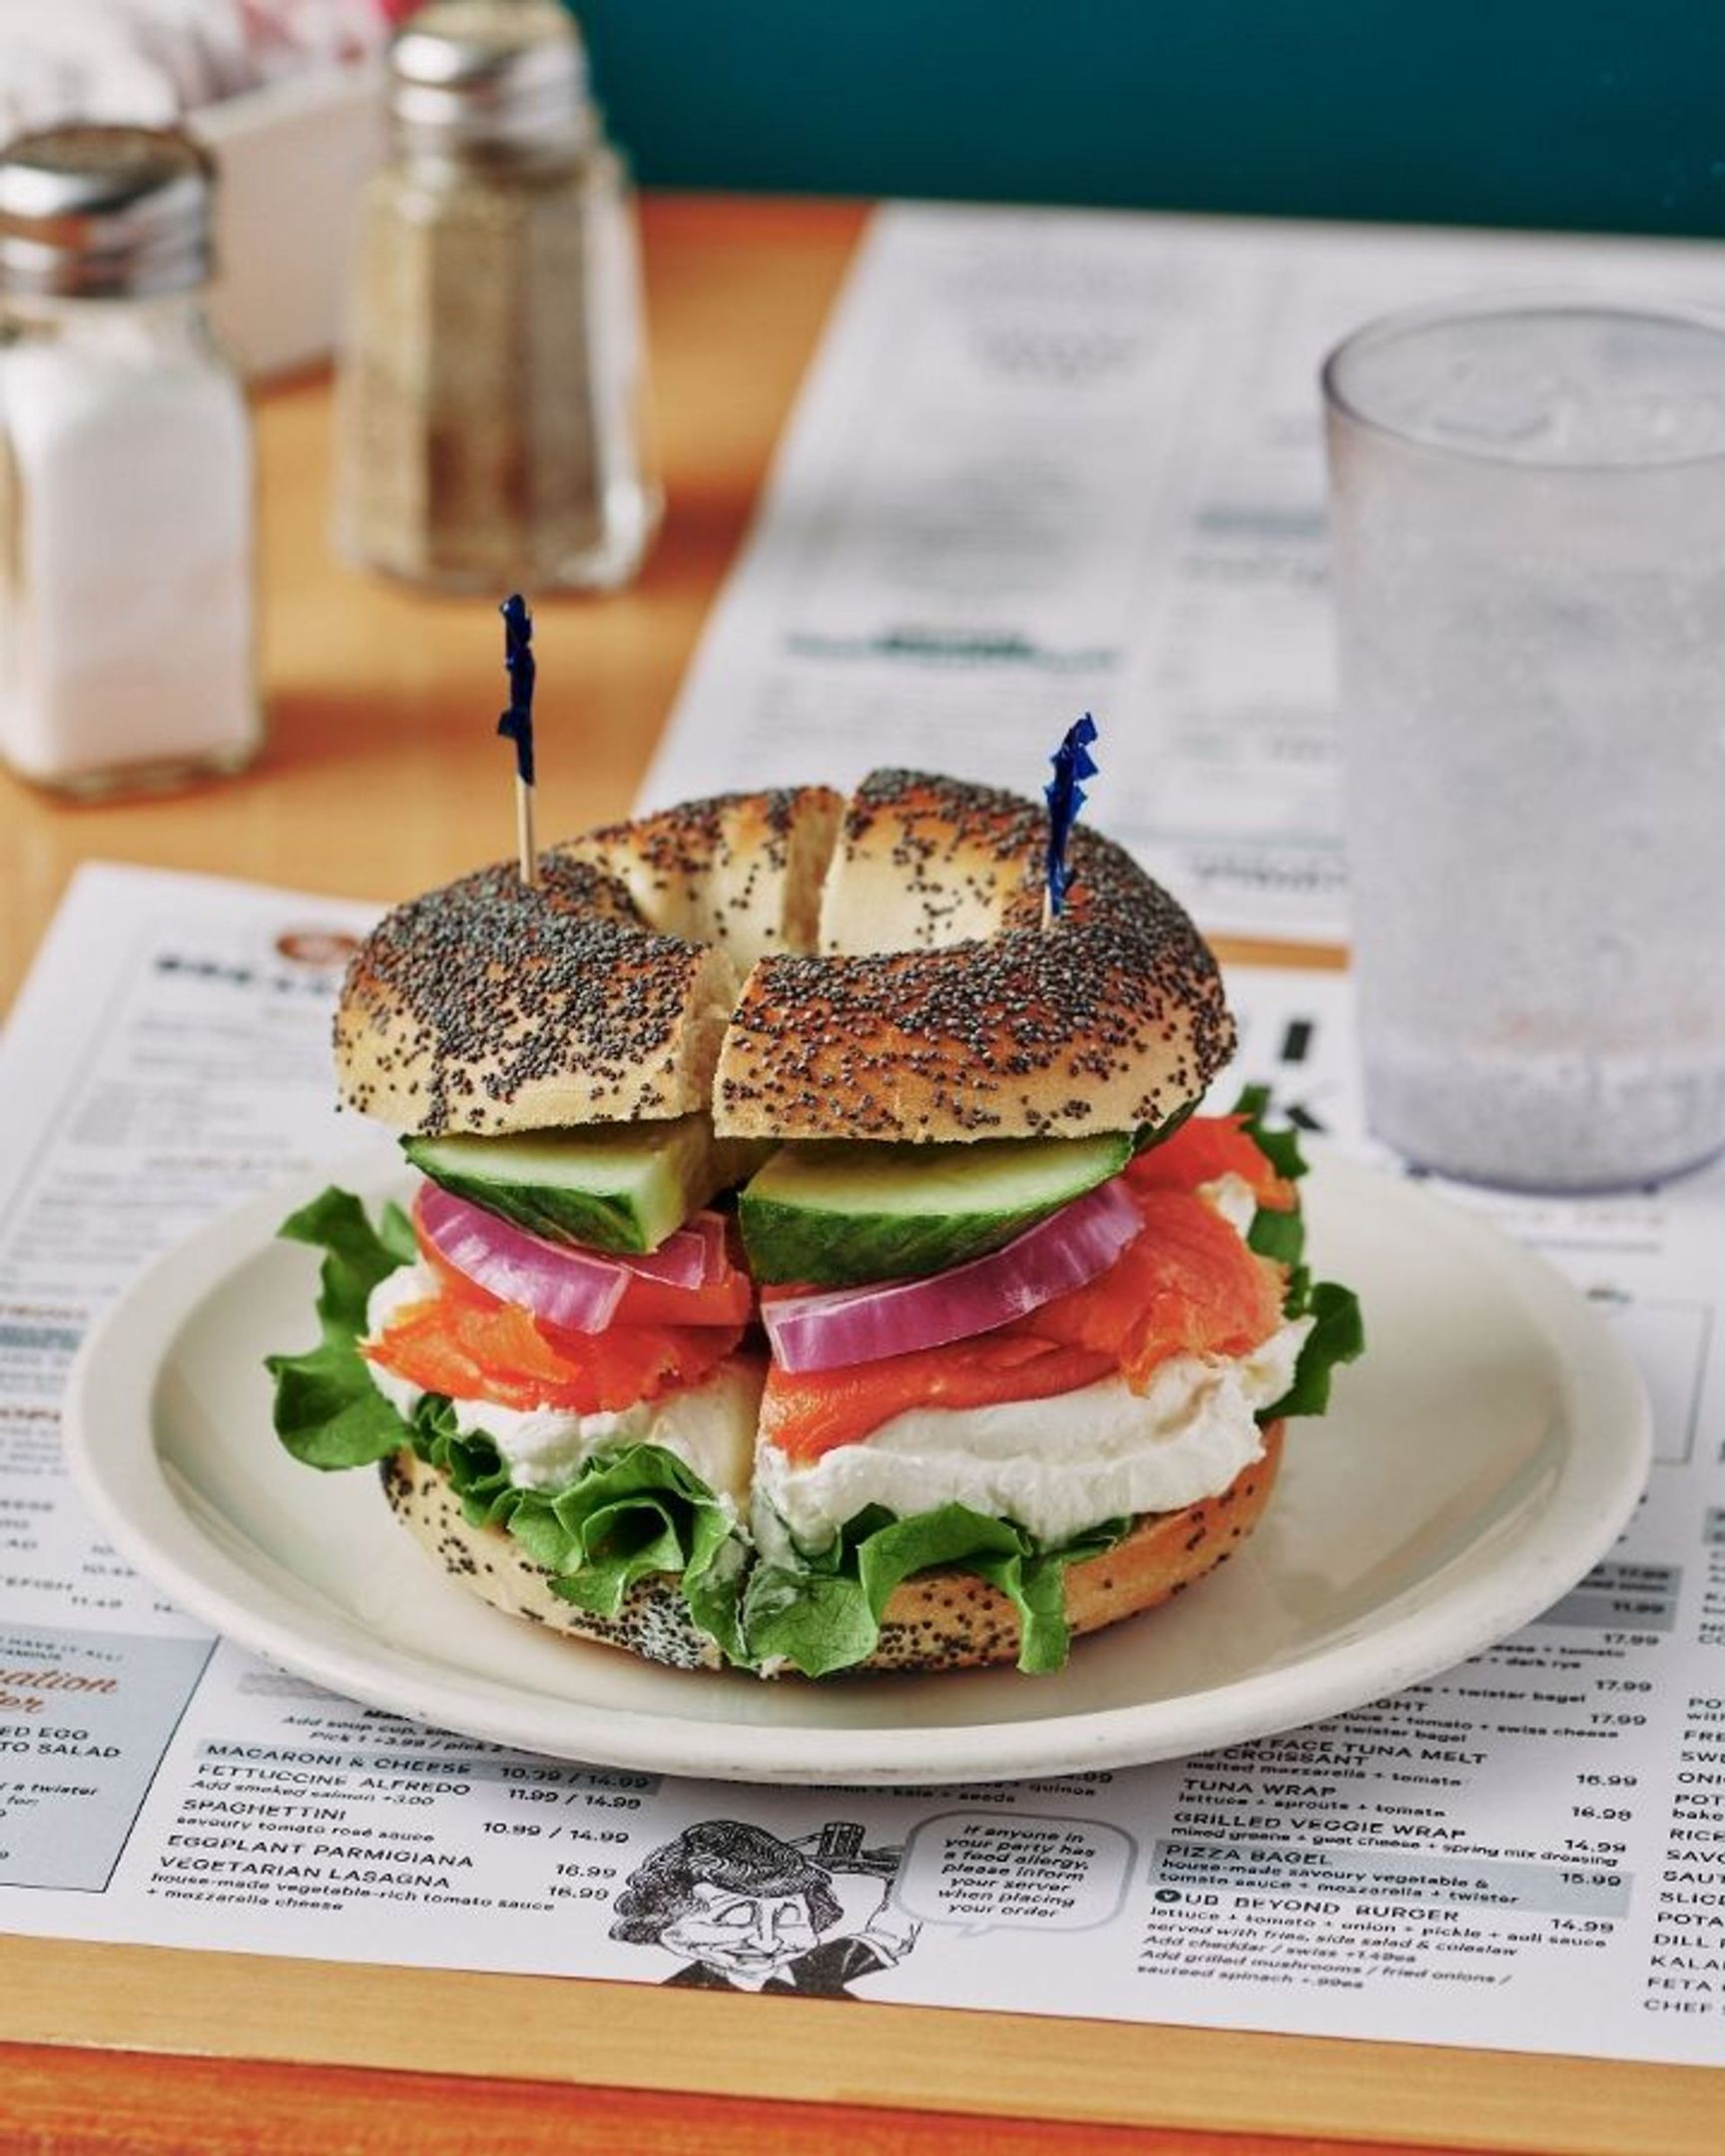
[329, 1413]
[625, 1514]
[1338, 1333]
[822, 1611]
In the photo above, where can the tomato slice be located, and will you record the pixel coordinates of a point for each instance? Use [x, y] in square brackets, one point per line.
[727, 1300]
[1205, 1148]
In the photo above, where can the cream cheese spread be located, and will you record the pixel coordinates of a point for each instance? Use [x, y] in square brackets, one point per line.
[1056, 1467]
[1231, 1196]
[709, 1427]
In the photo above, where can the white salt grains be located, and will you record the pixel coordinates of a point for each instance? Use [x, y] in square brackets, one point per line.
[126, 481]
[126, 636]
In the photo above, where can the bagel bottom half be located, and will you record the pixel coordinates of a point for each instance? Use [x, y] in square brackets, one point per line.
[944, 1619]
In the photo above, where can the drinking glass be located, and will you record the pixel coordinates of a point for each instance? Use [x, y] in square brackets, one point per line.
[1528, 521]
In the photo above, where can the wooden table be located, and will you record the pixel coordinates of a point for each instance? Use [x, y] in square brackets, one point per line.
[381, 777]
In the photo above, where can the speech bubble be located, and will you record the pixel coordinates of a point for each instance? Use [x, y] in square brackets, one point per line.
[1020, 1872]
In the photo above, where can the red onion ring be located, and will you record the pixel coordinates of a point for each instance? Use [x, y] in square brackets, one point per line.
[887, 1317]
[578, 1290]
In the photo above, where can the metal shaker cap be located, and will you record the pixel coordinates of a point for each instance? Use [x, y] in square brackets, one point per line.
[104, 211]
[491, 74]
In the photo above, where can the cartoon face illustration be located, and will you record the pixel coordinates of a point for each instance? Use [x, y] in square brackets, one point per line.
[742, 1933]
[742, 1911]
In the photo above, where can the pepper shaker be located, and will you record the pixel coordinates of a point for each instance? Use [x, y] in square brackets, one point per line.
[491, 383]
[127, 656]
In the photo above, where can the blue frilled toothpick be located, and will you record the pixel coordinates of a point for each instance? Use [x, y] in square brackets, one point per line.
[1072, 764]
[517, 724]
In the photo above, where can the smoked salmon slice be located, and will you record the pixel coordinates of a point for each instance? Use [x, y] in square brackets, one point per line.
[454, 1344]
[1186, 1285]
[810, 1413]
[1204, 1149]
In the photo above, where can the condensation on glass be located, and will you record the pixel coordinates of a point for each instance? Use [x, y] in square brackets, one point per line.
[1530, 569]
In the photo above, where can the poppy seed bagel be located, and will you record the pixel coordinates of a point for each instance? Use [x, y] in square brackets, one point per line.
[944, 1619]
[884, 974]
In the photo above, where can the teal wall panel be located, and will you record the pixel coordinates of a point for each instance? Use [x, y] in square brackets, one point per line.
[1601, 114]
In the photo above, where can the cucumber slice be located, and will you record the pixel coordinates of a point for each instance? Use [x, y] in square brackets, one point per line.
[619, 1187]
[837, 1213]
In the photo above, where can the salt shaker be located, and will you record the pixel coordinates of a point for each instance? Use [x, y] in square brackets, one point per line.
[491, 383]
[127, 647]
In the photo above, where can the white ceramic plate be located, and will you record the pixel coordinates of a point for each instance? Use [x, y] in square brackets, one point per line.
[1479, 1458]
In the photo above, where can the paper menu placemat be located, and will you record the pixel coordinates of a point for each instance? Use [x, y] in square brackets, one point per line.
[1524, 1854]
[1055, 460]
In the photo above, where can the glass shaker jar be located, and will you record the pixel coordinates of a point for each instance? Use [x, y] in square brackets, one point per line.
[491, 386]
[127, 649]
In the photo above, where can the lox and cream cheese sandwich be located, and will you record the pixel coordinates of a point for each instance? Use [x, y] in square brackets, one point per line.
[551, 1351]
[820, 1262]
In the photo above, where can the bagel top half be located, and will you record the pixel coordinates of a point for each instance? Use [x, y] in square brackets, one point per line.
[802, 967]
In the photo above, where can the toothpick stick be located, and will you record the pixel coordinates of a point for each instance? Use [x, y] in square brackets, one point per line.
[526, 852]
